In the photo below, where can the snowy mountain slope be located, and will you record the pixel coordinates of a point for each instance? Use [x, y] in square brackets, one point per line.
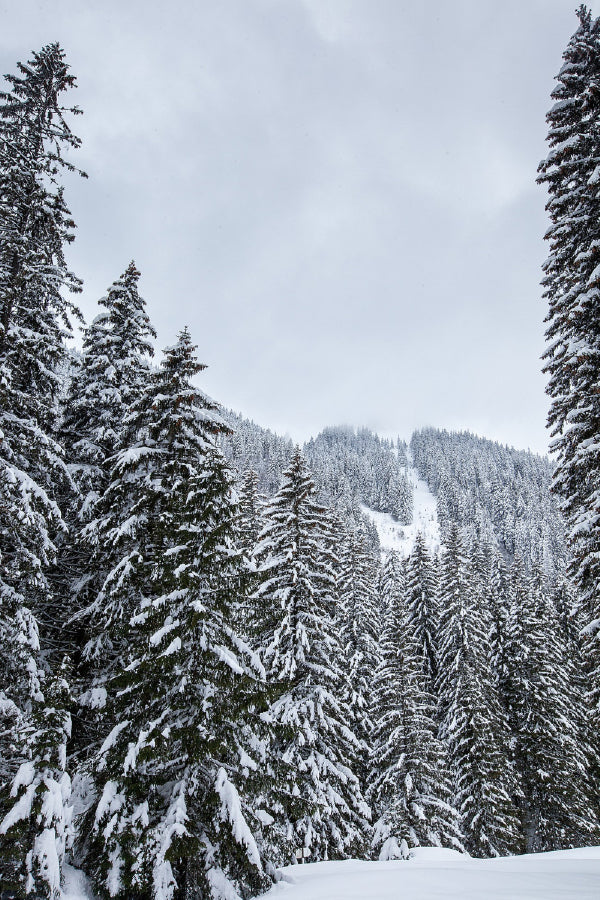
[494, 493]
[401, 538]
[435, 874]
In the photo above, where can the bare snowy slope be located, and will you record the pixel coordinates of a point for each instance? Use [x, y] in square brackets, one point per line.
[435, 874]
[401, 538]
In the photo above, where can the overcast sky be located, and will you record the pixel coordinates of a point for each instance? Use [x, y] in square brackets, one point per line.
[337, 196]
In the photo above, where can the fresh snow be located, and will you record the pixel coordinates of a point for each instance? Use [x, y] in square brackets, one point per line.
[401, 538]
[431, 873]
[437, 874]
[75, 884]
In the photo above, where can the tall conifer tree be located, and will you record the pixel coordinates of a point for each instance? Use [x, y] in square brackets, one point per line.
[299, 646]
[473, 722]
[359, 618]
[35, 225]
[410, 786]
[113, 372]
[173, 818]
[572, 289]
[37, 826]
[421, 600]
[546, 715]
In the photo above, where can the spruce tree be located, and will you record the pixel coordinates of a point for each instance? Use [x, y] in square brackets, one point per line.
[496, 600]
[572, 288]
[112, 374]
[173, 817]
[474, 725]
[299, 646]
[546, 715]
[421, 600]
[250, 525]
[36, 828]
[35, 225]
[410, 786]
[251, 521]
[359, 618]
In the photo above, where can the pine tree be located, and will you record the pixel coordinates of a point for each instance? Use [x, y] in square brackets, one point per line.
[473, 722]
[392, 578]
[250, 525]
[299, 646]
[172, 815]
[496, 600]
[572, 284]
[112, 374]
[410, 786]
[35, 225]
[359, 619]
[546, 715]
[36, 826]
[251, 521]
[422, 605]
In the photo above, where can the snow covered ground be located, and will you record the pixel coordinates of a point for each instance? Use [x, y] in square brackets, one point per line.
[432, 874]
[393, 536]
[445, 875]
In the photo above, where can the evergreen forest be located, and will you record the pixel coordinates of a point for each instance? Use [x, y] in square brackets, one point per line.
[211, 664]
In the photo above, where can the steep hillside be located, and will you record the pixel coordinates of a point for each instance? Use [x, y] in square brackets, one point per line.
[424, 521]
[494, 492]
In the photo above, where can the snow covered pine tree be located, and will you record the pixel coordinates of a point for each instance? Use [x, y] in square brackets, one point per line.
[359, 629]
[35, 225]
[549, 742]
[173, 818]
[411, 789]
[111, 373]
[572, 288]
[296, 634]
[474, 724]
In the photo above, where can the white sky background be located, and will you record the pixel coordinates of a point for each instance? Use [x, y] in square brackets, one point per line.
[337, 196]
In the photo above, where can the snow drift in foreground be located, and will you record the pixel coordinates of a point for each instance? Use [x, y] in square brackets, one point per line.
[436, 874]
[431, 874]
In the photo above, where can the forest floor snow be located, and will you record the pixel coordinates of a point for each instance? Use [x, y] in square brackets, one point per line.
[401, 538]
[431, 874]
[436, 874]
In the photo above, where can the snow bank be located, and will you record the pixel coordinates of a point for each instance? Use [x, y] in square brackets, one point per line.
[432, 873]
[437, 874]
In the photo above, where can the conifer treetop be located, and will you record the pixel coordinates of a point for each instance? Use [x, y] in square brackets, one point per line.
[33, 104]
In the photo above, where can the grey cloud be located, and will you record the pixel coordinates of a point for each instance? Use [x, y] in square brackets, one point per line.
[336, 195]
